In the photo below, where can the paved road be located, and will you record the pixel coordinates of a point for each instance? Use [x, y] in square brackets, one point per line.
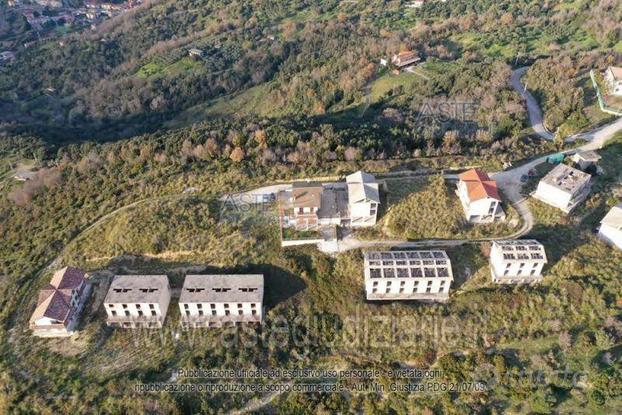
[535, 114]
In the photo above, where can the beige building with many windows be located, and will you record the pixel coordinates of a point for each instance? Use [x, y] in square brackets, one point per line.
[219, 300]
[517, 261]
[407, 275]
[137, 301]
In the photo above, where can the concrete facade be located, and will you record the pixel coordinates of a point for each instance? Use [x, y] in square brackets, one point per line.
[407, 275]
[135, 301]
[220, 300]
[564, 188]
[611, 227]
[517, 261]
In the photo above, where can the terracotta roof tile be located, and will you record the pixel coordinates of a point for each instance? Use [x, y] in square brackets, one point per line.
[480, 185]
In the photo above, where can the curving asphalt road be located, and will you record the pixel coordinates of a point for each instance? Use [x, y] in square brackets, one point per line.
[535, 114]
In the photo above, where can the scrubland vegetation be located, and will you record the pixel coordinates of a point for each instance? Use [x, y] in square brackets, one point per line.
[281, 93]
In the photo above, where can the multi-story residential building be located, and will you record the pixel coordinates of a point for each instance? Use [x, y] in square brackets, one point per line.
[480, 197]
[517, 261]
[564, 188]
[611, 227]
[60, 303]
[363, 199]
[137, 301]
[306, 201]
[312, 205]
[407, 275]
[613, 77]
[217, 300]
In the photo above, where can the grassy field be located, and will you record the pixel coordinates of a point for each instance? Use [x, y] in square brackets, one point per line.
[428, 208]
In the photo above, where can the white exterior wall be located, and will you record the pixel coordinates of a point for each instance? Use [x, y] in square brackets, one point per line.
[219, 309]
[479, 208]
[611, 235]
[615, 87]
[514, 271]
[407, 286]
[553, 196]
[363, 213]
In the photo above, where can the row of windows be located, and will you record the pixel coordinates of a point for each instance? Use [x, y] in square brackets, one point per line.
[402, 290]
[138, 306]
[213, 306]
[127, 313]
[227, 312]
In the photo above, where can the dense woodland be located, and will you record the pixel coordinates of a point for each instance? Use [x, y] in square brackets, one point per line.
[290, 89]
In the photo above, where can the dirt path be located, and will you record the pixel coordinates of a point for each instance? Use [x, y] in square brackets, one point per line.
[535, 113]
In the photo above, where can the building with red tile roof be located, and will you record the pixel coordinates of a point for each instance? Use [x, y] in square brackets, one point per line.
[58, 303]
[480, 197]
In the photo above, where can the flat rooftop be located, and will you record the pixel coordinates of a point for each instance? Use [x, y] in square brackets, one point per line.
[219, 288]
[407, 264]
[521, 249]
[567, 178]
[137, 289]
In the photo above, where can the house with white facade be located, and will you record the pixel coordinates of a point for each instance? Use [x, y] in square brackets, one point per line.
[363, 199]
[613, 78]
[564, 188]
[611, 227]
[517, 261]
[312, 205]
[480, 197]
[405, 59]
[135, 301]
[220, 300]
[60, 303]
[407, 275]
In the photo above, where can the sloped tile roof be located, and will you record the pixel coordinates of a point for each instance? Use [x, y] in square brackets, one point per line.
[479, 185]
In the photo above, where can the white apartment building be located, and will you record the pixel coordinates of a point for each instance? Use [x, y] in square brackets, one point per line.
[407, 275]
[480, 197]
[613, 77]
[611, 227]
[220, 300]
[363, 199]
[564, 188]
[517, 261]
[137, 301]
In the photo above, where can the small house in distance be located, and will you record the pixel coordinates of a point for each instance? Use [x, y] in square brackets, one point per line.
[611, 227]
[564, 188]
[585, 159]
[480, 197]
[517, 261]
[135, 301]
[195, 53]
[613, 78]
[363, 199]
[405, 59]
[220, 300]
[60, 303]
[407, 275]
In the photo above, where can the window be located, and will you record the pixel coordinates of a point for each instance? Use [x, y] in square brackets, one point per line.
[186, 306]
[140, 313]
[240, 312]
[388, 290]
[253, 305]
[227, 312]
[127, 313]
[254, 312]
[152, 306]
[374, 290]
[199, 306]
[522, 264]
[212, 306]
[375, 284]
[187, 312]
[114, 313]
[213, 312]
[401, 290]
[153, 313]
[200, 312]
[124, 305]
[239, 305]
[226, 305]
[110, 305]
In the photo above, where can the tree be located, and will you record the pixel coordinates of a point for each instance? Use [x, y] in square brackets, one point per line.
[237, 154]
